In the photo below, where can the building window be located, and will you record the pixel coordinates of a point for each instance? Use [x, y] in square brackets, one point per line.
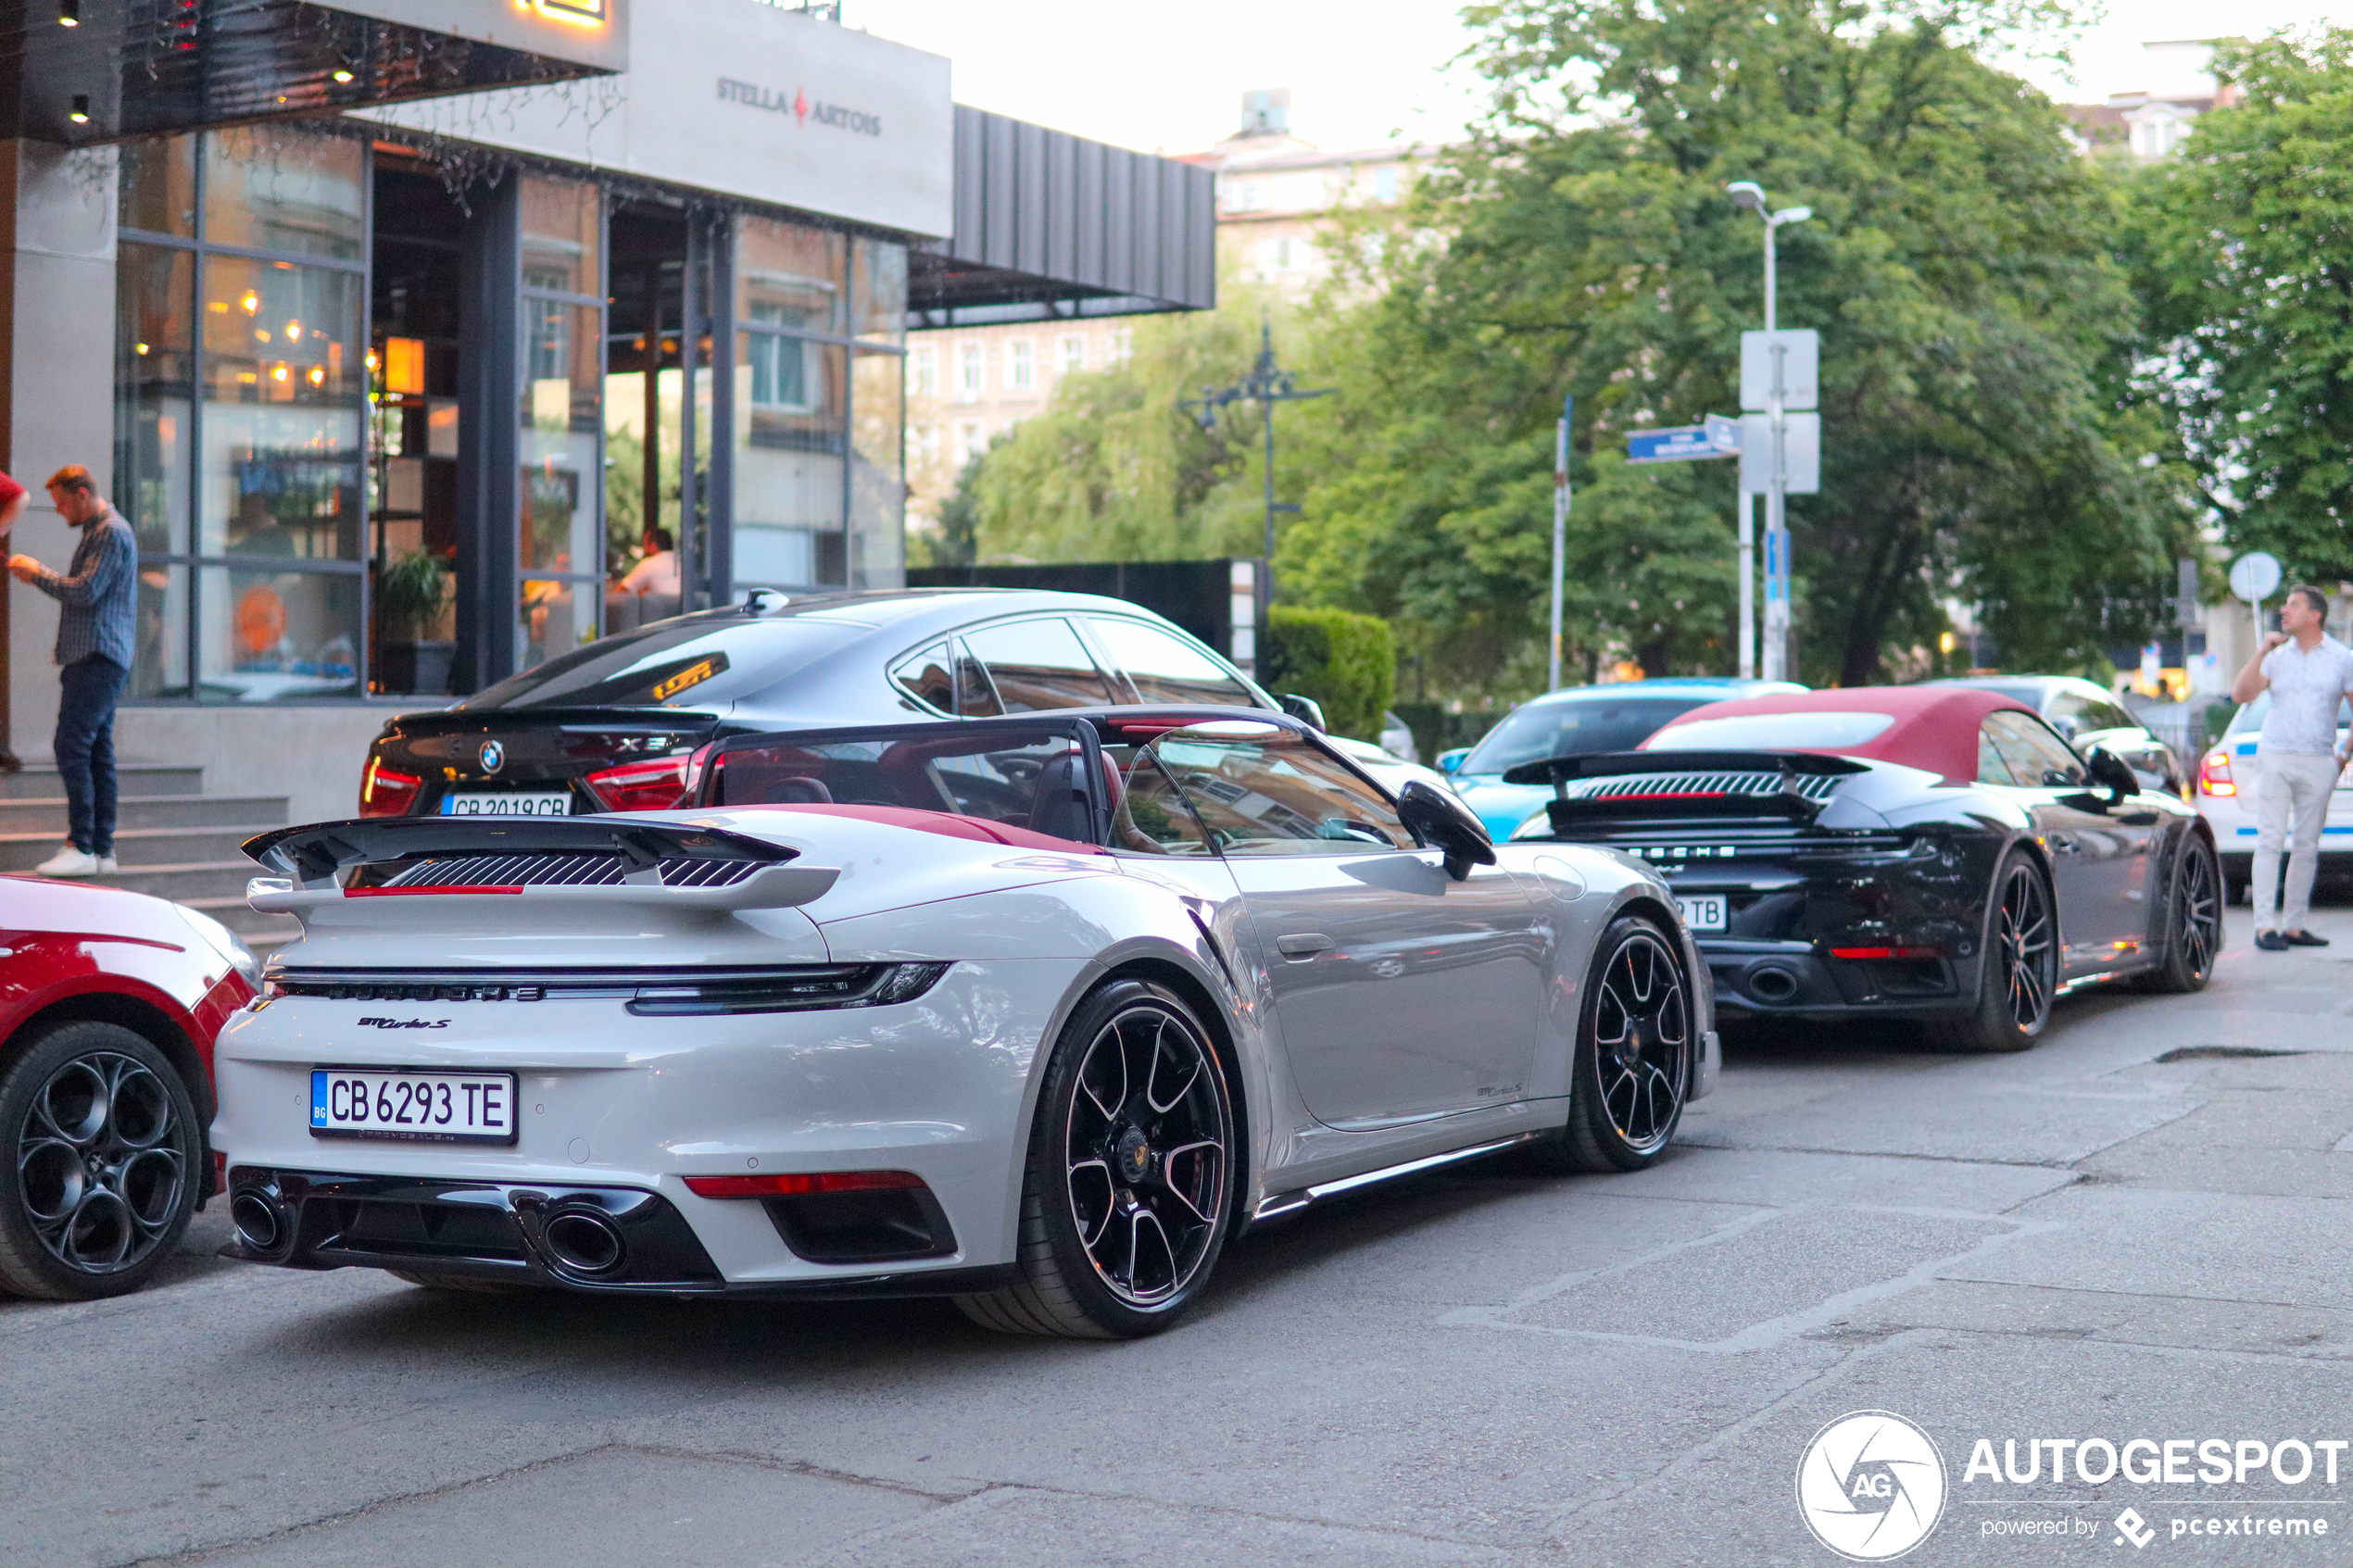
[240, 406]
[924, 371]
[1123, 345]
[968, 374]
[1072, 351]
[791, 406]
[1021, 366]
[968, 441]
[1385, 183]
[559, 553]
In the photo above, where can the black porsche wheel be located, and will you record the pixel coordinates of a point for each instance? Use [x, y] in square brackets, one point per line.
[2192, 920]
[2020, 972]
[103, 1171]
[1636, 1056]
[1124, 1199]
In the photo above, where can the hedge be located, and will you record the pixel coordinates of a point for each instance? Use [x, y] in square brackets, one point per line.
[1346, 661]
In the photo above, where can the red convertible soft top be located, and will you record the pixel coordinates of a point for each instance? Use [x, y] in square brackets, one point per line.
[1935, 727]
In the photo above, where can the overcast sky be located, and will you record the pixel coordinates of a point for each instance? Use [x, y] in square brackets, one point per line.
[1157, 76]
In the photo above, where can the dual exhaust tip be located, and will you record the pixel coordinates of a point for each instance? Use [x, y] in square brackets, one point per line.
[581, 1241]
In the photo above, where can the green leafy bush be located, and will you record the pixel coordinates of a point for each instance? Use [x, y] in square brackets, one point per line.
[1346, 661]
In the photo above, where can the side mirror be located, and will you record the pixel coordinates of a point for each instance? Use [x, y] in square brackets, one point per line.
[1442, 822]
[1451, 761]
[1306, 710]
[2113, 774]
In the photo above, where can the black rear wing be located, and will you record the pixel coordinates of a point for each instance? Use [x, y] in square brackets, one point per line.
[1654, 784]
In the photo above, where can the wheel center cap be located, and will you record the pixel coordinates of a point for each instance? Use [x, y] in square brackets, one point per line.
[1133, 1155]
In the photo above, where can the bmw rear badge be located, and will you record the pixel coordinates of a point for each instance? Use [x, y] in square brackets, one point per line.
[494, 756]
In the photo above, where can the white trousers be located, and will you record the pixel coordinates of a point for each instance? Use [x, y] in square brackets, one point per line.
[2291, 806]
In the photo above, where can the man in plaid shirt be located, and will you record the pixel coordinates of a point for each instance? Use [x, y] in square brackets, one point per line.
[99, 598]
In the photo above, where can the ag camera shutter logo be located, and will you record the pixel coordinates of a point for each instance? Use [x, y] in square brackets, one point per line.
[1871, 1485]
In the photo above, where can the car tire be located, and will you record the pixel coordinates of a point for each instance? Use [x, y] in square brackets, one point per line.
[1108, 1146]
[104, 1162]
[1635, 1057]
[2193, 921]
[2019, 974]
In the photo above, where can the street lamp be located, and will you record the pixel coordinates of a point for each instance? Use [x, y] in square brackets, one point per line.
[1750, 197]
[1268, 386]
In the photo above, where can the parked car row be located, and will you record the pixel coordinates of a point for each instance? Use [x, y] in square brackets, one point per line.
[1017, 948]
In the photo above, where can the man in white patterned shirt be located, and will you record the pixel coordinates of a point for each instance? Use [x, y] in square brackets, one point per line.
[2308, 674]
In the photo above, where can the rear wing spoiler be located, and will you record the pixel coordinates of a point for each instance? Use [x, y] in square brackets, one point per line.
[1687, 783]
[583, 859]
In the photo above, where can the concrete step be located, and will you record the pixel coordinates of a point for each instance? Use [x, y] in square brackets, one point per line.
[41, 781]
[138, 848]
[40, 814]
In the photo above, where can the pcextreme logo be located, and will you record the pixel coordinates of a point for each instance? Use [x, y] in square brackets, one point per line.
[1871, 1485]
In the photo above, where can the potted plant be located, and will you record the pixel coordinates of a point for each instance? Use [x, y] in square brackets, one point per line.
[409, 590]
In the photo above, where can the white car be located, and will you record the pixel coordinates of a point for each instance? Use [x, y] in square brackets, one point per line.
[2226, 776]
[1032, 1012]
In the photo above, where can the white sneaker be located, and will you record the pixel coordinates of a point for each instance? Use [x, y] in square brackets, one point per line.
[70, 861]
[107, 866]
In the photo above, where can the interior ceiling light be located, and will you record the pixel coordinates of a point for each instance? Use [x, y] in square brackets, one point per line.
[80, 113]
[343, 76]
[69, 12]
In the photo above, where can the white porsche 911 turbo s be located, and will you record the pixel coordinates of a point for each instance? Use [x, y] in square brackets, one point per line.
[1032, 1012]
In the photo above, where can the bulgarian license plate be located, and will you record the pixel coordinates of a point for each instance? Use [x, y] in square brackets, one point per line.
[507, 803]
[360, 1102]
[1702, 914]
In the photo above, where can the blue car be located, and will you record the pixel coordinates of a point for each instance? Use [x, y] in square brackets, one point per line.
[1578, 722]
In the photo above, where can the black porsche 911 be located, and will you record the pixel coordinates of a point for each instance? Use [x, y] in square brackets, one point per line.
[1934, 853]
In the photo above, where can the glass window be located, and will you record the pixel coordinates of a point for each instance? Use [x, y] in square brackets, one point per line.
[1152, 816]
[1270, 792]
[792, 275]
[791, 407]
[924, 677]
[1025, 780]
[674, 664]
[1993, 768]
[1037, 665]
[877, 471]
[2037, 758]
[561, 413]
[562, 229]
[267, 636]
[2068, 714]
[155, 373]
[1021, 366]
[284, 387]
[882, 290]
[2106, 715]
[975, 697]
[1074, 355]
[1586, 727]
[1167, 669]
[156, 189]
[1774, 732]
[159, 654]
[281, 188]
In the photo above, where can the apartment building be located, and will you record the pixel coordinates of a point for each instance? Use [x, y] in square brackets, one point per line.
[1277, 197]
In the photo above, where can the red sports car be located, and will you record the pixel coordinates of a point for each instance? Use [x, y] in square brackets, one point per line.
[108, 1005]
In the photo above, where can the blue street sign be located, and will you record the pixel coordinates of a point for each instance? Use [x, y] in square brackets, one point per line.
[1680, 444]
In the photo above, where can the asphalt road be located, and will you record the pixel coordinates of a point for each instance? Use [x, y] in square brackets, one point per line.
[2139, 1230]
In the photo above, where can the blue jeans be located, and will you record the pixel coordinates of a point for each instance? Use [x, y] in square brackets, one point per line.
[85, 749]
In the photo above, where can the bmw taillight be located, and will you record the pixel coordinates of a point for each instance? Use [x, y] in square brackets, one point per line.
[2214, 774]
[385, 792]
[658, 784]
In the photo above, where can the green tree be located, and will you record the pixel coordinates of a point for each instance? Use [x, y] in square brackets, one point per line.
[1979, 440]
[2244, 245]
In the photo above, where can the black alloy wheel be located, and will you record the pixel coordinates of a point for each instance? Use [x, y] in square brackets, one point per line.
[1637, 1054]
[2192, 920]
[1126, 1198]
[2018, 973]
[104, 1162]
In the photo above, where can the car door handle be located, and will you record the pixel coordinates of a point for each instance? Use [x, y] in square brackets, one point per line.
[1304, 945]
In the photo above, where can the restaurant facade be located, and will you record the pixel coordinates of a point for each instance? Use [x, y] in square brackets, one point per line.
[395, 329]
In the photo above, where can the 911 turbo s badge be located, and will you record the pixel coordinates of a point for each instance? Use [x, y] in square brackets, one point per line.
[404, 1023]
